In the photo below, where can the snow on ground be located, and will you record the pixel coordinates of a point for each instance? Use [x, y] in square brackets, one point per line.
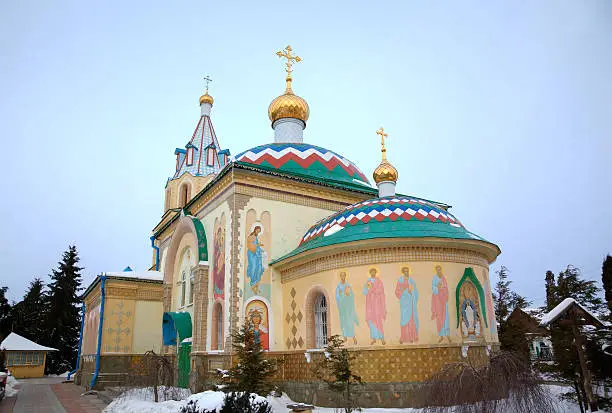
[141, 401]
[12, 386]
[64, 374]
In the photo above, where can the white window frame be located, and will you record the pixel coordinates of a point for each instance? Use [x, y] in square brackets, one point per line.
[320, 321]
[210, 156]
[189, 156]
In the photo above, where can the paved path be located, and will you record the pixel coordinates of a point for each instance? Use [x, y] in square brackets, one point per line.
[50, 395]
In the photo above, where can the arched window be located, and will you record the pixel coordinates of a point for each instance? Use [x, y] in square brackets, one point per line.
[320, 321]
[183, 286]
[184, 279]
[191, 287]
[185, 195]
[217, 327]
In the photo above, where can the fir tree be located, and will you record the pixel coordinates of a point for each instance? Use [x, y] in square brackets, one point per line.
[551, 300]
[511, 337]
[28, 312]
[253, 372]
[505, 300]
[62, 319]
[337, 371]
[606, 278]
[571, 284]
[5, 314]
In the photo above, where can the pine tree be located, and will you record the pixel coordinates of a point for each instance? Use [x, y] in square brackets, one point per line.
[511, 337]
[28, 312]
[606, 278]
[62, 320]
[571, 284]
[586, 292]
[551, 300]
[253, 372]
[5, 314]
[337, 371]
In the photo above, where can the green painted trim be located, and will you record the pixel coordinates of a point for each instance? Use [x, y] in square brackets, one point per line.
[468, 274]
[202, 242]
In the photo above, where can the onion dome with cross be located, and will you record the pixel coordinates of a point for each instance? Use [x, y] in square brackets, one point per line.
[289, 154]
[390, 218]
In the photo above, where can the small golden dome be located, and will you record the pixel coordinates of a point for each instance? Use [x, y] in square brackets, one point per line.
[288, 105]
[206, 98]
[385, 172]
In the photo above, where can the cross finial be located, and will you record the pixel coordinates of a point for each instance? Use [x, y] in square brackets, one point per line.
[291, 59]
[207, 79]
[383, 135]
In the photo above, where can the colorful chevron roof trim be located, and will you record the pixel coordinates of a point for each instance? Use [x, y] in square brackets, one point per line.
[380, 209]
[309, 159]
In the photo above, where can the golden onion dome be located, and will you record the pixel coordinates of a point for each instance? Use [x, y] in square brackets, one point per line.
[206, 98]
[385, 172]
[288, 105]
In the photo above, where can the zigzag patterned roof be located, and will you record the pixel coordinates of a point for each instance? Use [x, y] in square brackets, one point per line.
[380, 209]
[305, 159]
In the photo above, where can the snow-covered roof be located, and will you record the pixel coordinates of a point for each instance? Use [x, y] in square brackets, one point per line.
[561, 308]
[16, 342]
[139, 275]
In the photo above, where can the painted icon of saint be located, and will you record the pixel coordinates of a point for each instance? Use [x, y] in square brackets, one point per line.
[255, 258]
[260, 332]
[439, 304]
[406, 291]
[470, 317]
[219, 264]
[376, 308]
[345, 299]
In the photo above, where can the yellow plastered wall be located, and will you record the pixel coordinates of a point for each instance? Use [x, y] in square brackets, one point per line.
[26, 372]
[118, 328]
[288, 224]
[147, 326]
[422, 273]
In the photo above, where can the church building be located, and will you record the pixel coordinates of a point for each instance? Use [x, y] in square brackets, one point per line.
[294, 240]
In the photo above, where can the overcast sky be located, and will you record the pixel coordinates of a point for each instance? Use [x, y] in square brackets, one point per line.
[501, 109]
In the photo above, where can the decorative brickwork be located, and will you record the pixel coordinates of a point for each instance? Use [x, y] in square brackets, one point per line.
[293, 319]
[366, 256]
[200, 312]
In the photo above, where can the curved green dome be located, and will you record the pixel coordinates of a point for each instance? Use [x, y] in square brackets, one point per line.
[390, 217]
[306, 160]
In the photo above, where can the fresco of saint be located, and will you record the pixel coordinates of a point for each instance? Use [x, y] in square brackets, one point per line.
[408, 295]
[376, 309]
[345, 299]
[439, 304]
[257, 316]
[219, 264]
[470, 317]
[255, 259]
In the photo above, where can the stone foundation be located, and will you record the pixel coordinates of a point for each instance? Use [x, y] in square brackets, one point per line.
[389, 373]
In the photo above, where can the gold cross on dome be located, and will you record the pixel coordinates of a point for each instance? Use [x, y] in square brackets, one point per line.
[207, 79]
[383, 135]
[291, 59]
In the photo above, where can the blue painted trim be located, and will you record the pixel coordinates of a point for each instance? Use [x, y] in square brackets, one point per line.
[102, 297]
[78, 363]
[156, 253]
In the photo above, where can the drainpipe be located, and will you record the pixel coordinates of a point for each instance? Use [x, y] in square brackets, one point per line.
[156, 253]
[78, 363]
[102, 296]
